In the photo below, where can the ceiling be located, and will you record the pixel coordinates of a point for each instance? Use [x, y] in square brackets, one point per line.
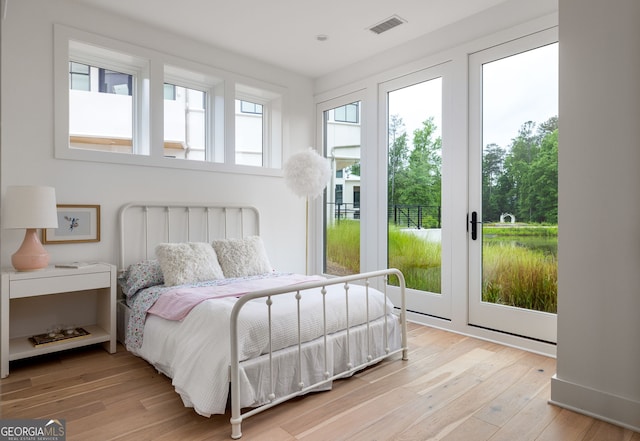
[284, 32]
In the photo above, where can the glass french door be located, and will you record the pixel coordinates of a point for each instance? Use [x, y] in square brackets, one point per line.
[417, 228]
[342, 134]
[513, 196]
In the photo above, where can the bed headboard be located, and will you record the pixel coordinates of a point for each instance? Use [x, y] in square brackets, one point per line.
[143, 225]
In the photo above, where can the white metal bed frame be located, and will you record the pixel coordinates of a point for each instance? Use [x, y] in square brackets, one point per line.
[183, 222]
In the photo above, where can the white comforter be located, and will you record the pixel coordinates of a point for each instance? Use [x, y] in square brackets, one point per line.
[195, 352]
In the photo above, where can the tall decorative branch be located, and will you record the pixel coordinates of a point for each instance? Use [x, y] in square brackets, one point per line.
[306, 174]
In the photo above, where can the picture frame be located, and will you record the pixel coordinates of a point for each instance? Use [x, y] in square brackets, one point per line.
[76, 224]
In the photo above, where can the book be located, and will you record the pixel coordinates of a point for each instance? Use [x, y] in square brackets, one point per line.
[56, 337]
[74, 264]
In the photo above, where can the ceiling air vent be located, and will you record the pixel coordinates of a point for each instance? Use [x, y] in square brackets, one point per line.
[387, 24]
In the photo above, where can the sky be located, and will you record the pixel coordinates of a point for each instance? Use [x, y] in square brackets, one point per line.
[530, 77]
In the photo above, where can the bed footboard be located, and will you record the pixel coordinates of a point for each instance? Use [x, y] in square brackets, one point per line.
[361, 279]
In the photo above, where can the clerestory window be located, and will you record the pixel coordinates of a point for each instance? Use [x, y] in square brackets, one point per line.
[111, 108]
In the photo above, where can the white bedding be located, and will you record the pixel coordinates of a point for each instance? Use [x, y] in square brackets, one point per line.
[194, 352]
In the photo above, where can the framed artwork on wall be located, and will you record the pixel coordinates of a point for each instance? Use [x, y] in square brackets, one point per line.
[76, 224]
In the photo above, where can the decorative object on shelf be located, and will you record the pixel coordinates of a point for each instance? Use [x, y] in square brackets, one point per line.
[58, 334]
[76, 224]
[306, 174]
[30, 207]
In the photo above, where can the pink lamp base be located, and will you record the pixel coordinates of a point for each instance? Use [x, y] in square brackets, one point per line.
[31, 255]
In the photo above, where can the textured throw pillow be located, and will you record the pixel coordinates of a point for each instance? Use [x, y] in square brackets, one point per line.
[242, 257]
[139, 276]
[191, 262]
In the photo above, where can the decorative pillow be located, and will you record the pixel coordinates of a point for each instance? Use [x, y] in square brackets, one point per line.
[139, 276]
[190, 262]
[242, 257]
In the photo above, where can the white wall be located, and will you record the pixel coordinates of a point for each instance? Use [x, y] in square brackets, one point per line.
[26, 141]
[598, 354]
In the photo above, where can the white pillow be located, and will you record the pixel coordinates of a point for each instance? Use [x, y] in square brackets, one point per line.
[242, 257]
[184, 263]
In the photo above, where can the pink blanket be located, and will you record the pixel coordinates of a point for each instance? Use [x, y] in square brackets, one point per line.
[177, 303]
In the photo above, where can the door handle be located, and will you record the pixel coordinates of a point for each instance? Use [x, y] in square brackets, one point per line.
[474, 225]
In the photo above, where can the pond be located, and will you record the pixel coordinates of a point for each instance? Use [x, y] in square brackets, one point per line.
[546, 244]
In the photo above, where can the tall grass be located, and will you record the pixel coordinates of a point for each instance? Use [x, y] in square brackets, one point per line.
[520, 231]
[343, 247]
[512, 275]
[418, 259]
[520, 277]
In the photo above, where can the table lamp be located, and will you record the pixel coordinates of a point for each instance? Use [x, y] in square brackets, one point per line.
[30, 207]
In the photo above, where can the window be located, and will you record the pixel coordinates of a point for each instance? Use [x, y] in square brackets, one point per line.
[184, 123]
[190, 125]
[341, 227]
[169, 91]
[115, 82]
[348, 113]
[339, 194]
[258, 127]
[109, 108]
[101, 105]
[356, 196]
[79, 76]
[248, 107]
[249, 133]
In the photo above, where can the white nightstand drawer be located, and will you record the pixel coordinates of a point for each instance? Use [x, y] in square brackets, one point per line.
[52, 285]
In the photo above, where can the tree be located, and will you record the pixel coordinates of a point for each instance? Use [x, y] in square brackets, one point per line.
[544, 175]
[527, 184]
[492, 168]
[524, 150]
[420, 182]
[398, 151]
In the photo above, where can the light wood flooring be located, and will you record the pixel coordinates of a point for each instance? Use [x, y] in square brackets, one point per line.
[452, 388]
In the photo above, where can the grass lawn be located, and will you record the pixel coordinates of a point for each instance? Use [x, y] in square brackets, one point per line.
[513, 274]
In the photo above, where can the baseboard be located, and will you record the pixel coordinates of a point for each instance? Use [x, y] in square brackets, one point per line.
[614, 409]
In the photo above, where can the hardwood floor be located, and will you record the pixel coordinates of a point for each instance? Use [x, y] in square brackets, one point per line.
[452, 388]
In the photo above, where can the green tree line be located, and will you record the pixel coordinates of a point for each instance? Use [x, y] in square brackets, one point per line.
[521, 179]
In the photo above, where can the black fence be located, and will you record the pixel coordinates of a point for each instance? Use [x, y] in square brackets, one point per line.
[408, 216]
[416, 216]
[344, 210]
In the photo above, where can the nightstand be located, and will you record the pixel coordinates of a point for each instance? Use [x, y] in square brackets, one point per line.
[33, 302]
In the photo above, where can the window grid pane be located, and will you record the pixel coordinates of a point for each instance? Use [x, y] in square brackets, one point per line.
[103, 118]
[79, 77]
[185, 117]
[249, 133]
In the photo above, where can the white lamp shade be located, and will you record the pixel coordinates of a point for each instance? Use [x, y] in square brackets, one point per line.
[307, 173]
[30, 206]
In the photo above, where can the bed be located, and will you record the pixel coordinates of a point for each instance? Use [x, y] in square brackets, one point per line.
[199, 300]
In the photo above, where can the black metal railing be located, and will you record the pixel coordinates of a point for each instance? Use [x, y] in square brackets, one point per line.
[408, 216]
[416, 216]
[344, 210]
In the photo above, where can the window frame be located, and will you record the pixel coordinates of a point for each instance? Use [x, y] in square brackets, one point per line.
[148, 97]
